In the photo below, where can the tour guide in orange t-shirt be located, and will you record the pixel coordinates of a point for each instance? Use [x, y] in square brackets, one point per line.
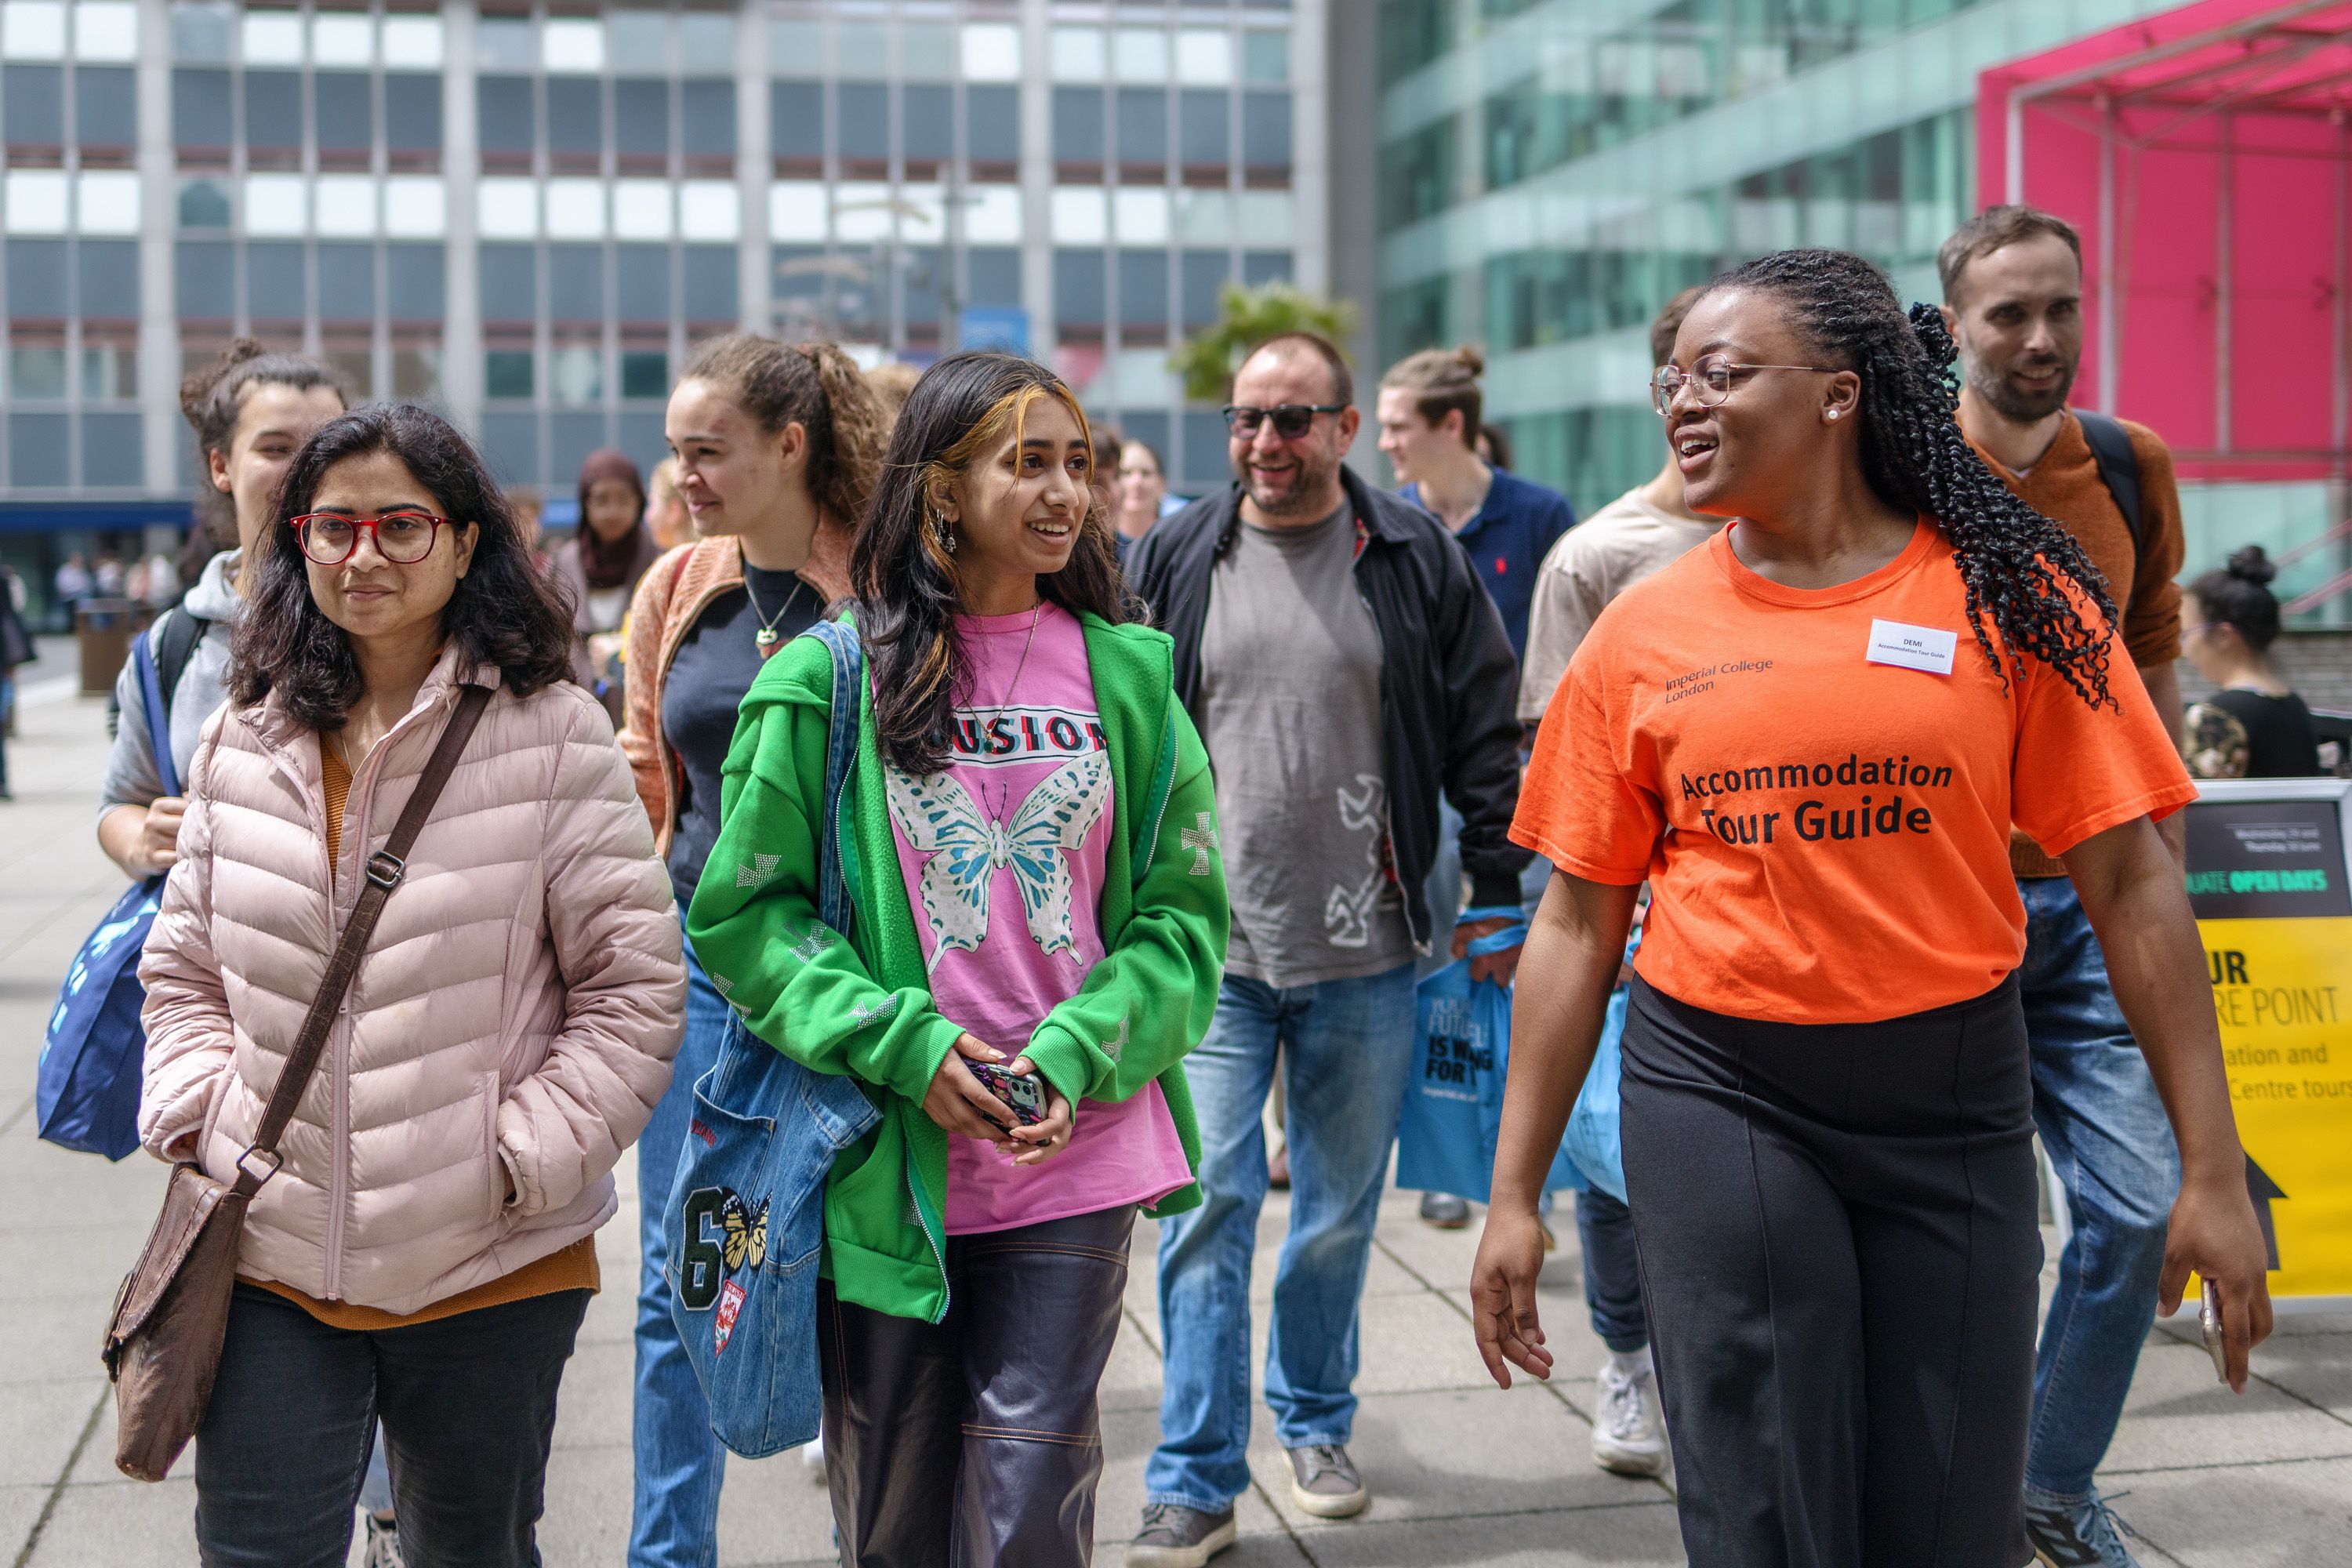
[1810, 736]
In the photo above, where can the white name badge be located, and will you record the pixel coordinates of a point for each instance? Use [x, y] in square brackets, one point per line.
[1911, 647]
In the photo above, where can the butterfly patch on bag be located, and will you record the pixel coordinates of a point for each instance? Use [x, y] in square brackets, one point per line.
[941, 820]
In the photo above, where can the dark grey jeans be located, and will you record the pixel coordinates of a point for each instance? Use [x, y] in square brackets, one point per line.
[467, 1403]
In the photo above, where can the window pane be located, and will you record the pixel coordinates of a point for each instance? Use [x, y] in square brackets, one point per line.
[641, 117]
[273, 279]
[796, 119]
[576, 436]
[415, 372]
[345, 109]
[575, 114]
[506, 373]
[576, 376]
[32, 105]
[1265, 130]
[36, 449]
[1078, 288]
[1266, 56]
[1143, 289]
[106, 106]
[413, 280]
[203, 280]
[504, 103]
[273, 111]
[200, 116]
[706, 42]
[412, 113]
[864, 123]
[346, 282]
[710, 291]
[930, 121]
[645, 373]
[1077, 125]
[36, 279]
[110, 453]
[1203, 128]
[922, 297]
[1265, 266]
[203, 205]
[993, 124]
[707, 115]
[996, 276]
[575, 282]
[509, 283]
[38, 374]
[110, 374]
[1207, 463]
[1142, 125]
[110, 280]
[641, 281]
[511, 443]
[200, 31]
[1204, 274]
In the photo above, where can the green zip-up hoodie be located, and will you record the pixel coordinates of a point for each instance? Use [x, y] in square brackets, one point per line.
[863, 1007]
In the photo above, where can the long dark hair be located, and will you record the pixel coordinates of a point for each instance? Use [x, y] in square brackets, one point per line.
[906, 584]
[2017, 563]
[2239, 595]
[504, 611]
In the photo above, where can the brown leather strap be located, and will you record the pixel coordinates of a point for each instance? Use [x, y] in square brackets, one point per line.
[384, 870]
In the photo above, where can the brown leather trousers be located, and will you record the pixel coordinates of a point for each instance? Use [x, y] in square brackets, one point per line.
[976, 1442]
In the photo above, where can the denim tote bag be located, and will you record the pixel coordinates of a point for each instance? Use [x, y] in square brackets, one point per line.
[746, 1220]
[86, 1094]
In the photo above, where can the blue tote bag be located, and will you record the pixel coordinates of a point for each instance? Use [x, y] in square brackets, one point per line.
[746, 1220]
[1453, 1093]
[92, 1063]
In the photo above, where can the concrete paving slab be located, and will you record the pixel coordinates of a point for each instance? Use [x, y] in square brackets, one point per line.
[1618, 1536]
[2296, 1515]
[2178, 1415]
[126, 1526]
[39, 1424]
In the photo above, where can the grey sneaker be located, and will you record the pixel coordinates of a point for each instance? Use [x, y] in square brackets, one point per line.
[1628, 1439]
[1174, 1536]
[1324, 1481]
[383, 1545]
[2077, 1532]
[1445, 1211]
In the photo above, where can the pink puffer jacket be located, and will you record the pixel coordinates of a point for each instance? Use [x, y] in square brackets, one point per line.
[514, 1018]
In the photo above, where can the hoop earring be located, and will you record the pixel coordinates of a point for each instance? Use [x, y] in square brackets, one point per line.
[942, 532]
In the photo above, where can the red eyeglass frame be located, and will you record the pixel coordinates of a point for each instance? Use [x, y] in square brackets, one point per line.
[368, 525]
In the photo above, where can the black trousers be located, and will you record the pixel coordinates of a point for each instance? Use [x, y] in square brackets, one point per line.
[1838, 1247]
[469, 1407]
[976, 1442]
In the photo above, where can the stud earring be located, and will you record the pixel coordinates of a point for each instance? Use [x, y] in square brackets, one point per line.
[1834, 413]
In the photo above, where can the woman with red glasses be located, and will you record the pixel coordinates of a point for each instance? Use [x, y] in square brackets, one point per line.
[425, 1250]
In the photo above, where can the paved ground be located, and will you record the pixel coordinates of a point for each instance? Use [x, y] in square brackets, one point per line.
[1462, 1473]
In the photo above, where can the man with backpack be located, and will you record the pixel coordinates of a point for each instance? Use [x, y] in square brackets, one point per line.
[2012, 281]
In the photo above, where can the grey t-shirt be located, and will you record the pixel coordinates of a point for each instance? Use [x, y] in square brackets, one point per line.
[131, 776]
[1290, 703]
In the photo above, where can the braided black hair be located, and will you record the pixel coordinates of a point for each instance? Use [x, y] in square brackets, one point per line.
[2015, 562]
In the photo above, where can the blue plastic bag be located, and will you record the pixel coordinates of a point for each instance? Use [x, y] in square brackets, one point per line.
[93, 1062]
[1590, 1142]
[1453, 1093]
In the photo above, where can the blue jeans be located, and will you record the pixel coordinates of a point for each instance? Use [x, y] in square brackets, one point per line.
[1345, 1046]
[2097, 1110]
[674, 1520]
[1613, 1274]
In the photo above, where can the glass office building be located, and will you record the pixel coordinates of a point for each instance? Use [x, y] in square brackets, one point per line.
[1549, 173]
[526, 213]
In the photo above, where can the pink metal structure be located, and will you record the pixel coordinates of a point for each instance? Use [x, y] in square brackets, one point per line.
[2206, 155]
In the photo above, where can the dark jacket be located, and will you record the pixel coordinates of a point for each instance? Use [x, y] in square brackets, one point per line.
[1447, 685]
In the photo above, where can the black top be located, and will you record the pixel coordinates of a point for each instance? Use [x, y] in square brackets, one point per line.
[713, 668]
[2280, 740]
[1449, 686]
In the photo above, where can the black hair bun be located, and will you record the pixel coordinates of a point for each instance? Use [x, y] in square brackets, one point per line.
[2251, 564]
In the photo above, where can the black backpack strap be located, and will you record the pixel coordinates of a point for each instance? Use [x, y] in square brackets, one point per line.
[2111, 448]
[176, 641]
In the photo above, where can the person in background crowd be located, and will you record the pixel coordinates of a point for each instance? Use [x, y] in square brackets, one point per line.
[891, 381]
[1428, 413]
[597, 569]
[16, 649]
[2012, 283]
[1634, 536]
[2254, 727]
[776, 447]
[1140, 485]
[529, 510]
[666, 517]
[1103, 478]
[107, 578]
[74, 583]
[159, 585]
[1429, 405]
[961, 1423]
[1345, 668]
[426, 1249]
[1493, 446]
[1827, 1100]
[251, 410]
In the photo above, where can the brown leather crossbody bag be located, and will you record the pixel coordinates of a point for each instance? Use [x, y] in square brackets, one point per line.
[171, 1316]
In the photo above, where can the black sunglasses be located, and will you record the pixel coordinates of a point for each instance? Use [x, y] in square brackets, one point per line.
[1291, 420]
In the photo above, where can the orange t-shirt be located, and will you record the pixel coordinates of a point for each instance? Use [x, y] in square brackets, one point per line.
[1826, 836]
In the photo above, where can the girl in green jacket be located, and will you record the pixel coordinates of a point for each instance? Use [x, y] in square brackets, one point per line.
[1029, 837]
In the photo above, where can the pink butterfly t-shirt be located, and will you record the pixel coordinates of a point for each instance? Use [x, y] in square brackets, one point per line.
[1003, 854]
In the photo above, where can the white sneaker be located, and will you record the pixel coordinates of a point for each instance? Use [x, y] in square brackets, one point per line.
[1629, 1437]
[813, 1459]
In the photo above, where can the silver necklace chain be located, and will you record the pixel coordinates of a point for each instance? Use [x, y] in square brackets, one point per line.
[767, 637]
[1011, 687]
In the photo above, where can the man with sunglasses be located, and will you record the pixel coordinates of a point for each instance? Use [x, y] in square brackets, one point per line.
[2012, 281]
[1345, 666]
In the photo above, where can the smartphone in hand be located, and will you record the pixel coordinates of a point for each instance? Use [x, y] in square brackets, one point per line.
[2209, 1318]
[1022, 1093]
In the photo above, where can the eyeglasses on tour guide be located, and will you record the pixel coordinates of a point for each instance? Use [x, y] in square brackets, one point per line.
[402, 538]
[1291, 420]
[1710, 380]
